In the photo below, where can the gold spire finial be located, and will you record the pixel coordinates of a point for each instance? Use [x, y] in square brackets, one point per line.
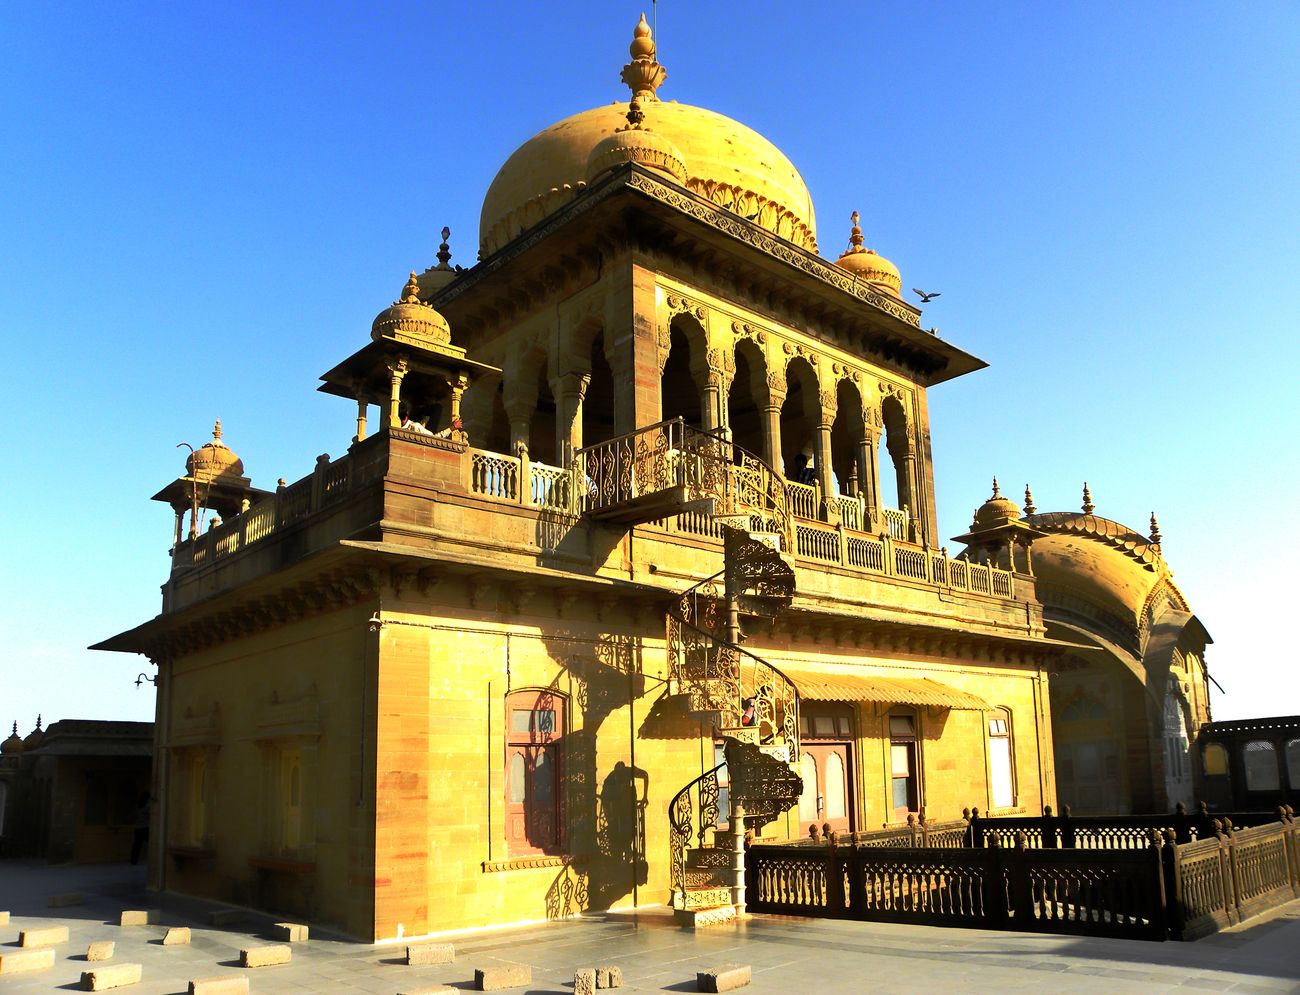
[216, 429]
[995, 489]
[15, 727]
[444, 250]
[38, 721]
[1155, 530]
[1088, 507]
[855, 235]
[411, 292]
[643, 74]
[1029, 501]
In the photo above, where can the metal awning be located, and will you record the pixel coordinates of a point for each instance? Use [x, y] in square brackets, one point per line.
[849, 685]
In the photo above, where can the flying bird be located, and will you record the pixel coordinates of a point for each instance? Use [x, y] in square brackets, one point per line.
[925, 298]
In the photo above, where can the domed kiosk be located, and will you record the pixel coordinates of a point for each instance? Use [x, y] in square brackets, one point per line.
[1128, 703]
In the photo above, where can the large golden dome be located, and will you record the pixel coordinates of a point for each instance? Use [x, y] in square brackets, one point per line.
[727, 163]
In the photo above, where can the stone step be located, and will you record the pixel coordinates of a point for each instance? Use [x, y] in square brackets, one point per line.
[708, 856]
[703, 918]
[707, 877]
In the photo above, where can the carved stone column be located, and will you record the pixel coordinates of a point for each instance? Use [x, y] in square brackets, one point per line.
[457, 387]
[397, 367]
[825, 472]
[361, 419]
[570, 390]
[869, 483]
[772, 425]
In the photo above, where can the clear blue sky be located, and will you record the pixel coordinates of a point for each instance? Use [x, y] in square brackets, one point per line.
[203, 206]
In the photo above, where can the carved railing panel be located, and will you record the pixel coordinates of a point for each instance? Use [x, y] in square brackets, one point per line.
[684, 829]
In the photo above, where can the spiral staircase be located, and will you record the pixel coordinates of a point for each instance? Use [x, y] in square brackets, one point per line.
[668, 469]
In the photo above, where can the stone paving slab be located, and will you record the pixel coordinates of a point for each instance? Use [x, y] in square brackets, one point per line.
[787, 955]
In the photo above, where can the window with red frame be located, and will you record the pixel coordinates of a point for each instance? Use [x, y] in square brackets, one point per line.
[534, 772]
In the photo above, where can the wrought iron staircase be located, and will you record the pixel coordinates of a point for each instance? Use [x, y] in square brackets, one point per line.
[666, 469]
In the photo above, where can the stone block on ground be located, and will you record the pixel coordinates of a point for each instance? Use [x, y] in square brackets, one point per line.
[584, 982]
[502, 976]
[609, 977]
[726, 978]
[43, 937]
[176, 936]
[431, 990]
[64, 900]
[100, 950]
[290, 932]
[4, 918]
[111, 976]
[431, 953]
[226, 917]
[137, 917]
[220, 984]
[25, 961]
[268, 956]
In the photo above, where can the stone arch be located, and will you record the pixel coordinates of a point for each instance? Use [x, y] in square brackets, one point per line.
[685, 370]
[483, 411]
[800, 417]
[847, 434]
[748, 399]
[896, 487]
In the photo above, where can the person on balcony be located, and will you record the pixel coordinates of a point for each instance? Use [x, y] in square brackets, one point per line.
[452, 431]
[410, 424]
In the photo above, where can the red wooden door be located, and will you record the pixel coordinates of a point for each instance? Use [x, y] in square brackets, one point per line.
[827, 793]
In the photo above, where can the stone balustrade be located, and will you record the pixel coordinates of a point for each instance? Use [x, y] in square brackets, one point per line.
[516, 480]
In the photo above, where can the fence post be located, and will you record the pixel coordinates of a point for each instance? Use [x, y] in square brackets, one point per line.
[1182, 824]
[1227, 870]
[857, 898]
[911, 829]
[1022, 903]
[1171, 870]
[1067, 829]
[995, 887]
[1159, 907]
[835, 904]
[318, 481]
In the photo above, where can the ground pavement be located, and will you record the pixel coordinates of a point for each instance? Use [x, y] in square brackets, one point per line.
[789, 956]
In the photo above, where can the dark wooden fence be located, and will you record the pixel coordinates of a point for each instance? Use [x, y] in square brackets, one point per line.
[1163, 889]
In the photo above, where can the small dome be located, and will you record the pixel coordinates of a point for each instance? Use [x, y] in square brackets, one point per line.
[874, 268]
[34, 737]
[411, 319]
[997, 509]
[12, 745]
[636, 144]
[214, 459]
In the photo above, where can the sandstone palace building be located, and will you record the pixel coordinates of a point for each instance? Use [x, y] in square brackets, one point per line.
[633, 550]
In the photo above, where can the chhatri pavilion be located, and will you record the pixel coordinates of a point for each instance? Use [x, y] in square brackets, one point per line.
[631, 551]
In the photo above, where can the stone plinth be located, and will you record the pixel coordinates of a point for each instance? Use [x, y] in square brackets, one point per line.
[430, 953]
[502, 976]
[726, 978]
[290, 932]
[176, 936]
[25, 961]
[100, 950]
[268, 956]
[43, 937]
[220, 984]
[111, 976]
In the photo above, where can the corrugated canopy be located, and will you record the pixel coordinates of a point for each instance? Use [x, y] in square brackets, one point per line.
[850, 685]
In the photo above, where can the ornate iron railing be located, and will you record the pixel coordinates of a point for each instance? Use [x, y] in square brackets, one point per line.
[703, 466]
[691, 821]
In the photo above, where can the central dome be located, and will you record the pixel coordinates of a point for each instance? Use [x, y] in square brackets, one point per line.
[727, 163]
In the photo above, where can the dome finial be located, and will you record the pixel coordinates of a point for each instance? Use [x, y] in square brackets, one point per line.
[1155, 530]
[444, 250]
[15, 732]
[411, 292]
[1029, 501]
[38, 721]
[996, 492]
[855, 235]
[643, 74]
[216, 429]
[1088, 507]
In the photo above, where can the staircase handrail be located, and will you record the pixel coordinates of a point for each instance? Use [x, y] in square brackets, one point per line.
[597, 461]
[790, 721]
[681, 824]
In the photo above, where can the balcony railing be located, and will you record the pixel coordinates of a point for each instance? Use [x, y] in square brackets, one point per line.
[805, 501]
[516, 480]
